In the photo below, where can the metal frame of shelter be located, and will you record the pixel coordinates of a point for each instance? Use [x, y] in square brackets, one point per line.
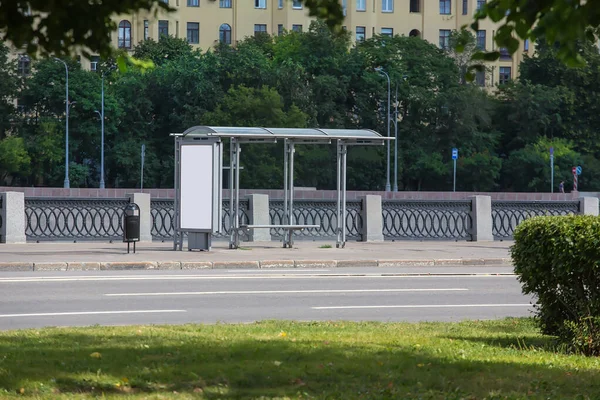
[291, 137]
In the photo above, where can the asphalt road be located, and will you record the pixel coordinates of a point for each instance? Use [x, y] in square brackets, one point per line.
[36, 299]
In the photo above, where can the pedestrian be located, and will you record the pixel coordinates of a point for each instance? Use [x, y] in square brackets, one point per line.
[561, 187]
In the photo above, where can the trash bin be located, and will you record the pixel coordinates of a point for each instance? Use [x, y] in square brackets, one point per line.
[131, 225]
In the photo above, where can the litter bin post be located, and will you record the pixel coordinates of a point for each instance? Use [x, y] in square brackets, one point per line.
[131, 225]
[143, 202]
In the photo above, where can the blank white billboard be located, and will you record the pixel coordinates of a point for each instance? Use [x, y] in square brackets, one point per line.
[196, 187]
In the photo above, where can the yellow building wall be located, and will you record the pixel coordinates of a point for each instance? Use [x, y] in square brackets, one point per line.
[243, 16]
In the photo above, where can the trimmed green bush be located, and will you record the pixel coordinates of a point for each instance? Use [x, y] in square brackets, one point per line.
[557, 259]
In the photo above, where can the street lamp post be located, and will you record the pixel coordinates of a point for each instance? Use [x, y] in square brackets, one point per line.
[387, 183]
[67, 184]
[396, 141]
[102, 186]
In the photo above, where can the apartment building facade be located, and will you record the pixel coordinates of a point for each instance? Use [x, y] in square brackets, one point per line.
[205, 23]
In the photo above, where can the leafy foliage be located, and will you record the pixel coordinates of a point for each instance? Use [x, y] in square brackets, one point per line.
[557, 260]
[49, 28]
[313, 79]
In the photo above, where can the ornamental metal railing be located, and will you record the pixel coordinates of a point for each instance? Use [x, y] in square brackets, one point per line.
[506, 215]
[163, 214]
[318, 212]
[74, 219]
[411, 219]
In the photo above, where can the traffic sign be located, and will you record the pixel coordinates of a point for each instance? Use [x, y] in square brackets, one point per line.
[551, 151]
[574, 170]
[578, 170]
[454, 153]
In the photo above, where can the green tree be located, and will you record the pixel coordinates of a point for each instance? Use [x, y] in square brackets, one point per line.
[558, 22]
[14, 159]
[478, 172]
[528, 169]
[9, 85]
[167, 49]
[243, 106]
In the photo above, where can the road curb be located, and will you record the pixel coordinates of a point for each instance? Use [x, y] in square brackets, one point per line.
[50, 266]
[406, 263]
[280, 264]
[16, 266]
[83, 266]
[127, 265]
[263, 264]
[236, 265]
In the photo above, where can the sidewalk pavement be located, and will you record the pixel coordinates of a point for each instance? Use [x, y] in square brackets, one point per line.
[63, 256]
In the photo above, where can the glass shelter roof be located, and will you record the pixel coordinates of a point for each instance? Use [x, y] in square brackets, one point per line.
[284, 133]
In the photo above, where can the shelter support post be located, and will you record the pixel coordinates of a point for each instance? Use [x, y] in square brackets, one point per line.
[285, 189]
[238, 149]
[288, 240]
[177, 233]
[342, 151]
[232, 233]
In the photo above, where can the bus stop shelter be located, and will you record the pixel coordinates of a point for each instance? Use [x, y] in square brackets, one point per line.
[198, 178]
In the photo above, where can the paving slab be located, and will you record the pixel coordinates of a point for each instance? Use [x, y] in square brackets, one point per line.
[110, 256]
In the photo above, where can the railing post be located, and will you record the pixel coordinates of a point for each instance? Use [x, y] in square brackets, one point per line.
[143, 201]
[372, 219]
[588, 206]
[259, 215]
[12, 217]
[481, 214]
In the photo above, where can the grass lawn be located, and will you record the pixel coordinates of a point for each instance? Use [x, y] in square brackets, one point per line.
[506, 359]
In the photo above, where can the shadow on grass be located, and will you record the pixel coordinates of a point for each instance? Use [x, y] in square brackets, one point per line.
[219, 367]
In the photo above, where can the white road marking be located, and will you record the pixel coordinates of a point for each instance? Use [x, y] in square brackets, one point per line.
[422, 306]
[285, 292]
[89, 313]
[224, 277]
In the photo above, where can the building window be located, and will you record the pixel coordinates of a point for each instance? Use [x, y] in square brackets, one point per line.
[280, 4]
[280, 29]
[297, 28]
[24, 66]
[260, 28]
[297, 4]
[260, 3]
[124, 34]
[94, 62]
[387, 5]
[504, 54]
[480, 78]
[225, 34]
[465, 7]
[480, 4]
[389, 32]
[526, 45]
[504, 75]
[414, 33]
[361, 5]
[165, 1]
[360, 33]
[163, 28]
[445, 7]
[415, 6]
[481, 40]
[193, 32]
[225, 3]
[193, 3]
[444, 38]
[146, 30]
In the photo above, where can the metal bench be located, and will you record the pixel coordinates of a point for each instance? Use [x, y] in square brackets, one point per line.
[287, 242]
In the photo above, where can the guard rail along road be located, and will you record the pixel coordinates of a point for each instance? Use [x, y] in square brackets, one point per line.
[370, 218]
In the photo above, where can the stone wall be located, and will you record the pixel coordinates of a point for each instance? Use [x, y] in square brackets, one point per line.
[298, 194]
